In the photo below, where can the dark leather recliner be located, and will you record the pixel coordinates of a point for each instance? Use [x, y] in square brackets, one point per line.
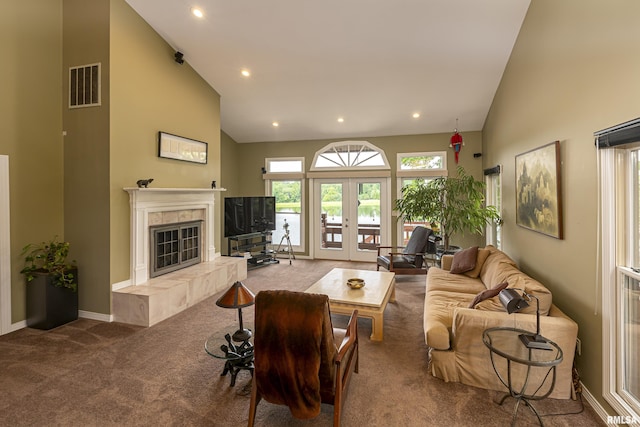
[411, 260]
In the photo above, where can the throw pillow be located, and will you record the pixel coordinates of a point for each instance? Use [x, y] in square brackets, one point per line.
[483, 254]
[488, 293]
[464, 261]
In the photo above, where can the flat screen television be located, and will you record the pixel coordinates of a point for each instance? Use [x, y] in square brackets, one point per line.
[245, 215]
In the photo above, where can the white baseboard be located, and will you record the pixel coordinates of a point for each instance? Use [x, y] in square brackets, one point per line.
[95, 316]
[602, 413]
[120, 285]
[18, 325]
[81, 313]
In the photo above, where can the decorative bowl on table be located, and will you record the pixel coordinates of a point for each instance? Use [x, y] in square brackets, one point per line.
[355, 283]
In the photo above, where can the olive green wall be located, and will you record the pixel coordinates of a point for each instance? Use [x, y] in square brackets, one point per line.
[150, 92]
[251, 181]
[31, 127]
[86, 153]
[73, 186]
[574, 70]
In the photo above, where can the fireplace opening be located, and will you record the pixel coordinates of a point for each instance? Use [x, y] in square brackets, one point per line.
[174, 246]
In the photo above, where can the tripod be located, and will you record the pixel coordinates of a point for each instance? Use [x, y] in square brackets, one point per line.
[289, 247]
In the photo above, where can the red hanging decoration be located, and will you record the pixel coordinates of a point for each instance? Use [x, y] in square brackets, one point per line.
[456, 141]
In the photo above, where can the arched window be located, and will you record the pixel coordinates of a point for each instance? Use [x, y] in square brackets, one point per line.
[349, 155]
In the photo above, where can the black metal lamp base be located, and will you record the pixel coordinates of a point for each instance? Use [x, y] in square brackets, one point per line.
[535, 341]
[241, 335]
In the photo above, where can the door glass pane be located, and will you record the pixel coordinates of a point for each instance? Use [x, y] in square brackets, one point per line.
[288, 196]
[631, 334]
[331, 215]
[368, 215]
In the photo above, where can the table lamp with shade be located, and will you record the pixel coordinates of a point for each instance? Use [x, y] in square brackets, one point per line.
[514, 302]
[238, 296]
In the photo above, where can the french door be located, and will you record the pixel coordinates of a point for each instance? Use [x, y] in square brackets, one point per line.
[351, 218]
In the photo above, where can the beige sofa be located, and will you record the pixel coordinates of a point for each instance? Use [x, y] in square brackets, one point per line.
[453, 331]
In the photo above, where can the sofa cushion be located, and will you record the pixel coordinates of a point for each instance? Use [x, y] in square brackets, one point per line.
[464, 260]
[496, 262]
[488, 293]
[519, 280]
[480, 260]
[442, 280]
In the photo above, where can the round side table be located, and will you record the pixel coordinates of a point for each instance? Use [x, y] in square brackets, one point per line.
[237, 355]
[505, 343]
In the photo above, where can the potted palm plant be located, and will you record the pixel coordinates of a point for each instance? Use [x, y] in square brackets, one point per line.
[52, 291]
[456, 204]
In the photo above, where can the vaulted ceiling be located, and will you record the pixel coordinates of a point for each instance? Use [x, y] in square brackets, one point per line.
[374, 64]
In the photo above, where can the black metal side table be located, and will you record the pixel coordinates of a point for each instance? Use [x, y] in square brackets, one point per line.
[521, 360]
[237, 356]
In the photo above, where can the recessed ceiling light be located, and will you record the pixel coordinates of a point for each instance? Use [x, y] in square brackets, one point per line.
[245, 73]
[197, 12]
[416, 115]
[275, 124]
[340, 119]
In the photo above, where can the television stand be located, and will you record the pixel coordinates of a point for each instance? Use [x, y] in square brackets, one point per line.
[253, 247]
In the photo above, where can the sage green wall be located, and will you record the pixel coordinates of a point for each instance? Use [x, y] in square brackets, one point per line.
[574, 70]
[253, 155]
[150, 92]
[31, 127]
[86, 153]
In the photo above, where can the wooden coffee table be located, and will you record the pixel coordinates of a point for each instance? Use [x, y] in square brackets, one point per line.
[370, 301]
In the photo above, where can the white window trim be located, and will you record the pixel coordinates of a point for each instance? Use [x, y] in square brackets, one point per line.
[612, 166]
[402, 174]
[283, 176]
[5, 248]
[348, 168]
[303, 225]
[489, 237]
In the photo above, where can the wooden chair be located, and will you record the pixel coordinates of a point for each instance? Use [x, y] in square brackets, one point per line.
[412, 258]
[299, 362]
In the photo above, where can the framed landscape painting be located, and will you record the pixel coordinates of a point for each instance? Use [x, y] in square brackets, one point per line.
[538, 190]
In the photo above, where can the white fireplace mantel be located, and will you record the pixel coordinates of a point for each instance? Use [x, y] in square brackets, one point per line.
[145, 201]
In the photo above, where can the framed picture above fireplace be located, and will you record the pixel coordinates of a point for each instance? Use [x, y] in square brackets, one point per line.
[539, 190]
[180, 148]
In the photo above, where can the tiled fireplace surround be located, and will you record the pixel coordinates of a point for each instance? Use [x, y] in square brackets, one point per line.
[146, 301]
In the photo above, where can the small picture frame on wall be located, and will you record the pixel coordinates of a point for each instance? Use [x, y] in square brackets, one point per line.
[180, 148]
[539, 190]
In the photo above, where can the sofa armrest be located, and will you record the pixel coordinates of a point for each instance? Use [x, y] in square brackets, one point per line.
[445, 262]
[390, 247]
[469, 324]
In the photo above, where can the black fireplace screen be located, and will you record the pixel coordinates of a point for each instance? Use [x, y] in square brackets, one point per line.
[174, 246]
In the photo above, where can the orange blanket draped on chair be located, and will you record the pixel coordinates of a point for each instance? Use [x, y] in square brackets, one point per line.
[293, 344]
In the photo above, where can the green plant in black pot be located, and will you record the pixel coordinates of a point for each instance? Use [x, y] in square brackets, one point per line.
[455, 203]
[50, 258]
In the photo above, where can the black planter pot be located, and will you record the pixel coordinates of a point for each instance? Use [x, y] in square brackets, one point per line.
[50, 306]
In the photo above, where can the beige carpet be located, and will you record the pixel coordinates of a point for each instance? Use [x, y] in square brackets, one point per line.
[89, 373]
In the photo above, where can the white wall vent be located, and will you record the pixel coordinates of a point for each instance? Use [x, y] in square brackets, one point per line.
[84, 86]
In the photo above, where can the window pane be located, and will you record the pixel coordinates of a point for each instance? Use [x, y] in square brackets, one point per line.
[349, 155]
[278, 166]
[288, 196]
[631, 334]
[422, 162]
[408, 226]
